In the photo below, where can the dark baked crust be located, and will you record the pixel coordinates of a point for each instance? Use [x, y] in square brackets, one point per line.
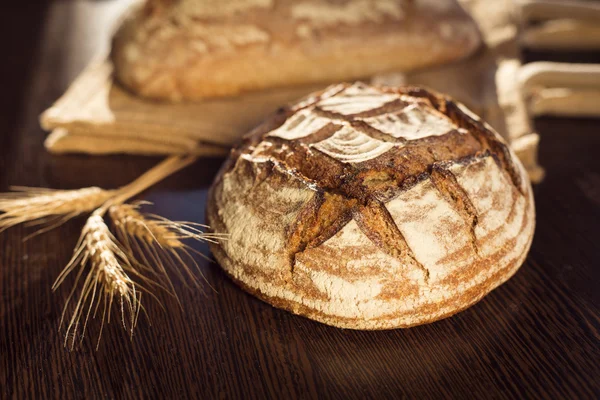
[356, 204]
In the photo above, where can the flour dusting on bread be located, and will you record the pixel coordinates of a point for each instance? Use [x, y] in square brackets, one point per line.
[405, 208]
[194, 49]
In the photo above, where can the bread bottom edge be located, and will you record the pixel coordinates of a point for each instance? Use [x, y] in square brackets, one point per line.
[479, 291]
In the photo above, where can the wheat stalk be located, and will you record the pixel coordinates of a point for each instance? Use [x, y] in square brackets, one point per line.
[150, 244]
[152, 240]
[131, 222]
[106, 268]
[37, 206]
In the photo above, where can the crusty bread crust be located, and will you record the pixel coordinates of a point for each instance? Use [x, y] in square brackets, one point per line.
[372, 208]
[191, 49]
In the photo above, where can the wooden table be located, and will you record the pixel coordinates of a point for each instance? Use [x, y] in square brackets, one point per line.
[536, 336]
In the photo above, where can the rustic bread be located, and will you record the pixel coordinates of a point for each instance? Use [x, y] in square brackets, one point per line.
[192, 49]
[372, 208]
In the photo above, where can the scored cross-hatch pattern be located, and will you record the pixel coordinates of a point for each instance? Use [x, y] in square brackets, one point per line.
[361, 146]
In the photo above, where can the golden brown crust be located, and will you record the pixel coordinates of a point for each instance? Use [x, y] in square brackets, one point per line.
[192, 49]
[372, 208]
[466, 300]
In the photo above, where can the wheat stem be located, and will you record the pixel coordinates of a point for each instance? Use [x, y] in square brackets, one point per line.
[39, 206]
[107, 266]
[103, 264]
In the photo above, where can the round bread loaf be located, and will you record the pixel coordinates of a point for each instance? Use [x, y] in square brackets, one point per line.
[372, 208]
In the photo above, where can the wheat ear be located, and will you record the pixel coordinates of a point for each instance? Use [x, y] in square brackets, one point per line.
[47, 206]
[52, 208]
[156, 241]
[105, 265]
[106, 268]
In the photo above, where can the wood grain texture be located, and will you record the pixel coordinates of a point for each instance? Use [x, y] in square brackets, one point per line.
[538, 336]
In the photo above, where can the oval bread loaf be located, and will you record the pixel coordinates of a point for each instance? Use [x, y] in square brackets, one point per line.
[193, 49]
[372, 208]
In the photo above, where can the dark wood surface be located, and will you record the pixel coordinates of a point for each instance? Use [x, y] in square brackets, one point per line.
[536, 336]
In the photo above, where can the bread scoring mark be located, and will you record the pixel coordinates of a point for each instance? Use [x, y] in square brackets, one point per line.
[369, 130]
[355, 99]
[445, 182]
[359, 167]
[468, 121]
[303, 123]
[261, 202]
[322, 218]
[489, 139]
[406, 164]
[314, 98]
[411, 123]
[362, 261]
[512, 238]
[359, 125]
[362, 258]
[498, 208]
[351, 146]
[361, 111]
[269, 164]
[432, 227]
[389, 308]
[322, 134]
[387, 312]
[377, 224]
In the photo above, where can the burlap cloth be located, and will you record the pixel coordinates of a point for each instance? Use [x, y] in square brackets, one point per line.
[97, 116]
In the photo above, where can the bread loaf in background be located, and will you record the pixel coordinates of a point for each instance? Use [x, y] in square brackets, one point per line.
[193, 49]
[372, 208]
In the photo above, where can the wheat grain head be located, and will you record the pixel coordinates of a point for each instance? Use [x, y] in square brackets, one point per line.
[98, 257]
[106, 269]
[47, 206]
[158, 242]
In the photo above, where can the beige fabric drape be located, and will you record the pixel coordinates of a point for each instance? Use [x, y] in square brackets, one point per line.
[97, 116]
